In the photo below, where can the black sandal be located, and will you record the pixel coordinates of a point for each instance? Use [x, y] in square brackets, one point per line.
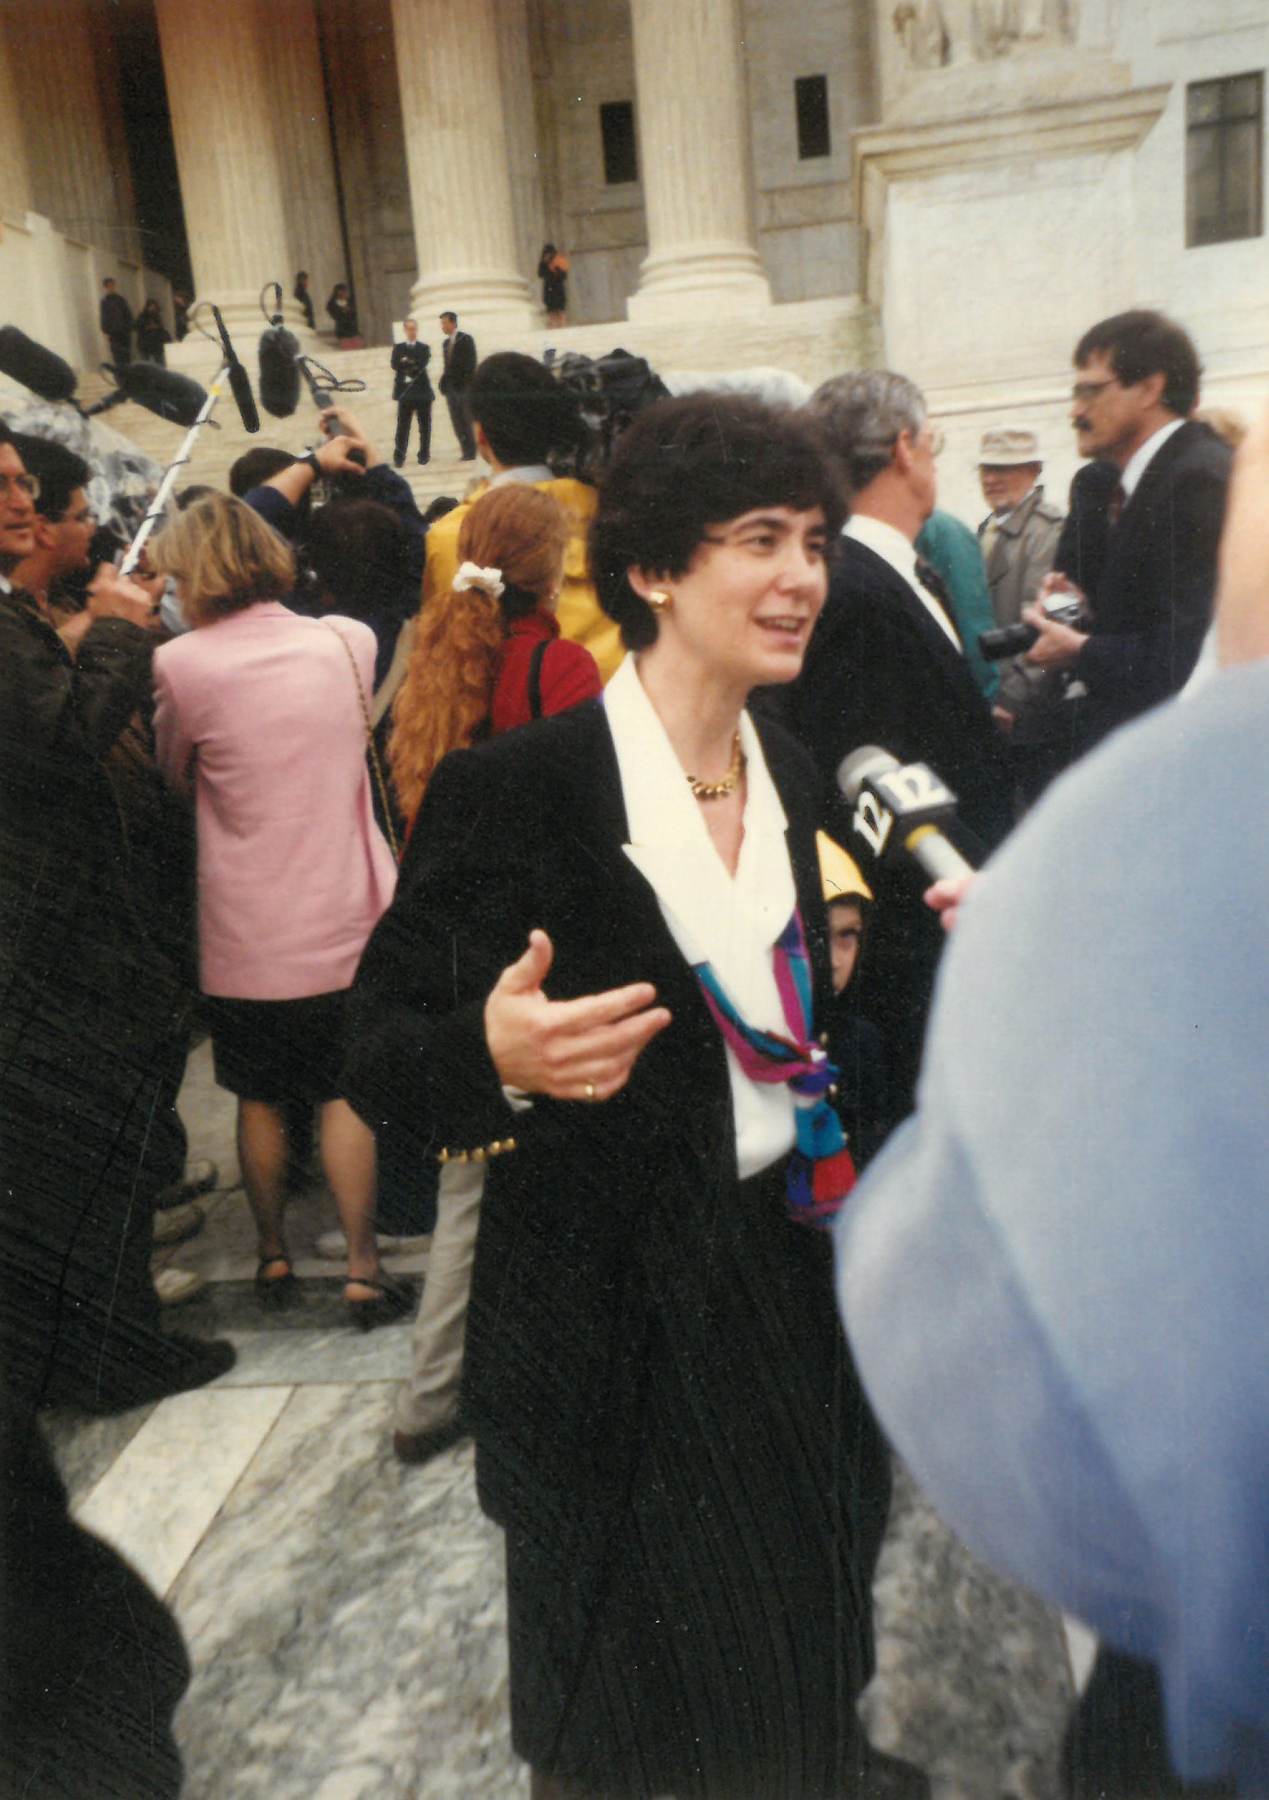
[392, 1300]
[276, 1291]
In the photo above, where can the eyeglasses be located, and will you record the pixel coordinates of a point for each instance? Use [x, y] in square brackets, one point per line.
[1084, 391]
[22, 484]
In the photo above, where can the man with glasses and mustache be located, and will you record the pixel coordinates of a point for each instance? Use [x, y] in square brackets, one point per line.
[1150, 536]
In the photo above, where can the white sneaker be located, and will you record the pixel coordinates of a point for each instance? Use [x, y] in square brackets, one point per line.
[174, 1285]
[332, 1246]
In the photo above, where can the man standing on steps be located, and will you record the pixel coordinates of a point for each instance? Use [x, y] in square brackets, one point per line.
[116, 323]
[459, 351]
[413, 393]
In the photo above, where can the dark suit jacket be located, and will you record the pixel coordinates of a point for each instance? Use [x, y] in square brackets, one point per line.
[409, 369]
[1152, 599]
[115, 315]
[459, 353]
[1081, 548]
[527, 830]
[880, 671]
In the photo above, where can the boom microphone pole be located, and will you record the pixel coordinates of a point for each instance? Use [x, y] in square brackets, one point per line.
[159, 503]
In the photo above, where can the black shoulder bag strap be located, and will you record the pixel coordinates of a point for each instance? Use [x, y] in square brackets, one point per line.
[535, 677]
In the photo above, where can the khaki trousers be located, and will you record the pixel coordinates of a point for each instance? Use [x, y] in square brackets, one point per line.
[428, 1398]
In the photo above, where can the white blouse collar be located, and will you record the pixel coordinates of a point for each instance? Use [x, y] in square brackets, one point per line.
[712, 915]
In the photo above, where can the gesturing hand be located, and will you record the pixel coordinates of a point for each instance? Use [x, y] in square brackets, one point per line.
[570, 1049]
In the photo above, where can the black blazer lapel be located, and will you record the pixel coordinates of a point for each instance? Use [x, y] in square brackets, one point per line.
[914, 610]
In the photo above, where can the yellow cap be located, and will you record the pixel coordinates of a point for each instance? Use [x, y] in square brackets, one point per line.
[839, 872]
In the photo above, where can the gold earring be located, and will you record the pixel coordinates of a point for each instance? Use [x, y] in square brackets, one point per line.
[658, 600]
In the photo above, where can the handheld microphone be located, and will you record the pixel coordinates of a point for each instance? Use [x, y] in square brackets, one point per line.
[41, 370]
[168, 393]
[900, 808]
[239, 380]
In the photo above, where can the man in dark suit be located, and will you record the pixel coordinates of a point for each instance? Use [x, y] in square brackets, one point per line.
[116, 322]
[886, 667]
[1154, 556]
[459, 352]
[412, 391]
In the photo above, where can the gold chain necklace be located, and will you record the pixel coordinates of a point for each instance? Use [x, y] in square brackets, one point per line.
[717, 790]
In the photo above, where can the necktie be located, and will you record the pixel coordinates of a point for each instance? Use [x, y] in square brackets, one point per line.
[991, 531]
[933, 583]
[1118, 501]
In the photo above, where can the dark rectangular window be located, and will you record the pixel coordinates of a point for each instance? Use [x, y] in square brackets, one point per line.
[616, 127]
[810, 98]
[1224, 159]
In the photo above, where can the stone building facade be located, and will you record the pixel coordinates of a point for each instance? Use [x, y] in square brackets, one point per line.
[958, 186]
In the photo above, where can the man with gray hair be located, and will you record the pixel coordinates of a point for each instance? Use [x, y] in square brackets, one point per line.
[885, 666]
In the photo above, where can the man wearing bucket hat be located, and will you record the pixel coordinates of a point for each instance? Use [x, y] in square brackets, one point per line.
[1019, 538]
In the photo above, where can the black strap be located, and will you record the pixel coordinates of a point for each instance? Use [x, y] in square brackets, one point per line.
[535, 677]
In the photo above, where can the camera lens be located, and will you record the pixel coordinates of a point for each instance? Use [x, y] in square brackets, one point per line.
[1011, 641]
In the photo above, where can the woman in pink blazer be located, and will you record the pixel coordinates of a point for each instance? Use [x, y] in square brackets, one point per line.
[258, 713]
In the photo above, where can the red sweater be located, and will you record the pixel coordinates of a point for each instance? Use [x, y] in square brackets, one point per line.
[569, 673]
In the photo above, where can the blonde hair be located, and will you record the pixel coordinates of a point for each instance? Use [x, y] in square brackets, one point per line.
[453, 670]
[224, 558]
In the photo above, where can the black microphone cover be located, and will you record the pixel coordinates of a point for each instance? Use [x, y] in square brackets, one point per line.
[41, 370]
[163, 391]
[279, 372]
[240, 384]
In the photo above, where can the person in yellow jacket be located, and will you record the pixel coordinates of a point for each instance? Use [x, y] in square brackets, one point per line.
[520, 415]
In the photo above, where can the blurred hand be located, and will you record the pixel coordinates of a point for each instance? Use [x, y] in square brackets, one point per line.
[351, 426]
[1057, 645]
[1242, 589]
[1057, 583]
[945, 897]
[334, 459]
[558, 1047]
[114, 596]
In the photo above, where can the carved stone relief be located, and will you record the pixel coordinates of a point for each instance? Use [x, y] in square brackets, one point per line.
[938, 33]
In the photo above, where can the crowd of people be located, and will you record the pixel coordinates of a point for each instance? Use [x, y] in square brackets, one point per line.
[507, 839]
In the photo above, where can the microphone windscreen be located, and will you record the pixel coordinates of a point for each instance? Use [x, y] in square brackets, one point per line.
[279, 373]
[163, 391]
[240, 385]
[41, 370]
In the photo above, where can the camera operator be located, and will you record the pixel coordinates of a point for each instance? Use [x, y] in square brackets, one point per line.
[1152, 600]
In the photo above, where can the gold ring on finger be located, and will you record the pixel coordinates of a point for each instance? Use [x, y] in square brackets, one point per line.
[590, 1090]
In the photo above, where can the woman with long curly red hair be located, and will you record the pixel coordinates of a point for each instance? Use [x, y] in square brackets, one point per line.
[488, 654]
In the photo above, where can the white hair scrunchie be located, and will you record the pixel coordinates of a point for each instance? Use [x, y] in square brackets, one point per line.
[471, 576]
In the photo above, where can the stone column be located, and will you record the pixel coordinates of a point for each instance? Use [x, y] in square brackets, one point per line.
[18, 197]
[221, 95]
[696, 167]
[304, 158]
[74, 180]
[524, 164]
[456, 147]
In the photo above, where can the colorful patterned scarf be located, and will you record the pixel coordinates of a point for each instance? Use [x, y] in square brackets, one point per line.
[821, 1168]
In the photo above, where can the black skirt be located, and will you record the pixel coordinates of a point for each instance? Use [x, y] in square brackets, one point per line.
[732, 1631]
[279, 1050]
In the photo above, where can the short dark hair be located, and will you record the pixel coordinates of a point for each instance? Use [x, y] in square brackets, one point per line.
[254, 467]
[684, 465]
[59, 471]
[522, 409]
[450, 315]
[108, 281]
[357, 550]
[1140, 344]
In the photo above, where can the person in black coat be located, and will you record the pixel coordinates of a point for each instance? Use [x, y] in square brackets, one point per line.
[886, 667]
[1153, 567]
[458, 351]
[413, 392]
[667, 1424]
[343, 314]
[152, 334]
[116, 322]
[304, 299]
[89, 1008]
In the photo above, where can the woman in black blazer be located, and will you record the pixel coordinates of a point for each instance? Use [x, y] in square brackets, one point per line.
[668, 1426]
